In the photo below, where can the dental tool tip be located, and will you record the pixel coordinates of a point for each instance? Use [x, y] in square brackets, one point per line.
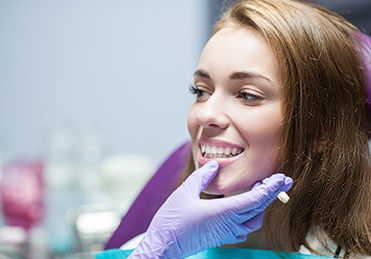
[283, 197]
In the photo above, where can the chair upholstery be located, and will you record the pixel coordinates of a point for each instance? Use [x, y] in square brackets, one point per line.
[365, 54]
[153, 195]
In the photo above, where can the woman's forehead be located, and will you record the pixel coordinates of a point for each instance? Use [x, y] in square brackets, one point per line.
[239, 51]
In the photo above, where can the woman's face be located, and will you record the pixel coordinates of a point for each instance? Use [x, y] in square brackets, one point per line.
[236, 118]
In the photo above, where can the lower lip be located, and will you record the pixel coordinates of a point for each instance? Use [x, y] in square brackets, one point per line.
[221, 161]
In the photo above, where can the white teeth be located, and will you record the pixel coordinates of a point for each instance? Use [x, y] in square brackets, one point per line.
[219, 152]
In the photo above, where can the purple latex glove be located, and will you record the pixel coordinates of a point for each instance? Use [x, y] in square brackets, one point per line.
[186, 224]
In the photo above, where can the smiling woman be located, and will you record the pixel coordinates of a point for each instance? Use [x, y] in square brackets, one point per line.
[287, 136]
[280, 87]
[237, 90]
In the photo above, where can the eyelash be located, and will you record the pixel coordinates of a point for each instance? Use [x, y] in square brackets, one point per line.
[250, 97]
[194, 90]
[245, 95]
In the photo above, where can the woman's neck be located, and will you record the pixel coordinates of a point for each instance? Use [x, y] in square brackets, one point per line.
[255, 240]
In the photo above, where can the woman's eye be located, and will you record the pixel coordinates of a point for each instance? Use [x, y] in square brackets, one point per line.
[250, 97]
[196, 91]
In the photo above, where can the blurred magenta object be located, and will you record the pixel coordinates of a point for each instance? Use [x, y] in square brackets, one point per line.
[22, 191]
[365, 53]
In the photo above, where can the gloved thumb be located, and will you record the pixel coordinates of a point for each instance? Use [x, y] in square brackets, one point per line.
[201, 178]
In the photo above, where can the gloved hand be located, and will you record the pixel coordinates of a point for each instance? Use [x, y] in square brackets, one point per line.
[186, 224]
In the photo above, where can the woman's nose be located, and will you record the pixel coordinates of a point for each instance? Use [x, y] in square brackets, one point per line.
[213, 113]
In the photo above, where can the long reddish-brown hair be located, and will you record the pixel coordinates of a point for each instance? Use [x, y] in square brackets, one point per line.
[325, 126]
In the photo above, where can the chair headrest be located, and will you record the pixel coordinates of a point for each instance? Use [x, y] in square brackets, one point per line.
[365, 54]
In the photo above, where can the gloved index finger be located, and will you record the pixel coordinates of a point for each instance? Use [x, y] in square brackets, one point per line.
[263, 194]
[201, 178]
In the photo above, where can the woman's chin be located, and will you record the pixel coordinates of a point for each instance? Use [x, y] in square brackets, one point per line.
[216, 189]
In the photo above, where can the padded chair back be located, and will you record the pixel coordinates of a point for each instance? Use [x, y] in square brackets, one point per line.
[365, 53]
[153, 195]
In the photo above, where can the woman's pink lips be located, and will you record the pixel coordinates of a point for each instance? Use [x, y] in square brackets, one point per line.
[218, 143]
[221, 161]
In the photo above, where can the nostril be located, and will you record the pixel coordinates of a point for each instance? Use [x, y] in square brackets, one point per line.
[212, 120]
[211, 113]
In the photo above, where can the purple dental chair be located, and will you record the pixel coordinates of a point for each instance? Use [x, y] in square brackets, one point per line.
[153, 195]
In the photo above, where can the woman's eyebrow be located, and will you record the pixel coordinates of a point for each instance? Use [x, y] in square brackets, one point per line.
[202, 73]
[240, 75]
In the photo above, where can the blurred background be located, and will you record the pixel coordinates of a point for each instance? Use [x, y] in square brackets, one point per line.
[93, 98]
